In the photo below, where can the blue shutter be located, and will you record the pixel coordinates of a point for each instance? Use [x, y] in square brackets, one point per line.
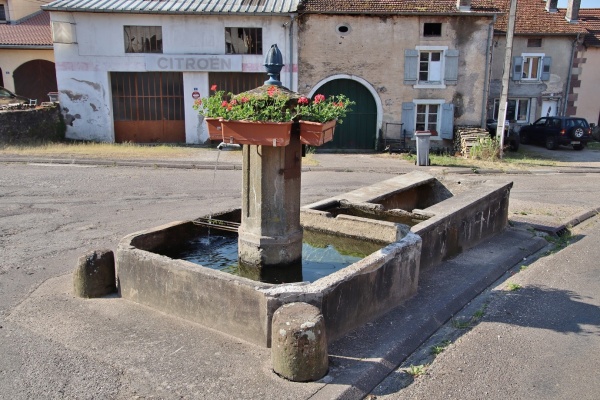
[411, 66]
[408, 118]
[447, 124]
[451, 67]
[517, 69]
[546, 63]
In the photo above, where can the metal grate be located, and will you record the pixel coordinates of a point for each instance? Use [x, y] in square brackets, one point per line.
[217, 224]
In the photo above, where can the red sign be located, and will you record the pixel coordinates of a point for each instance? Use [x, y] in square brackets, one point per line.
[195, 95]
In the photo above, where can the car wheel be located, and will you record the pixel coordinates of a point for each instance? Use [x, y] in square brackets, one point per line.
[577, 133]
[551, 143]
[514, 145]
[577, 147]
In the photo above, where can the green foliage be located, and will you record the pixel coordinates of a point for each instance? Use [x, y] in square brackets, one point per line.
[512, 287]
[323, 110]
[486, 149]
[212, 106]
[416, 370]
[439, 348]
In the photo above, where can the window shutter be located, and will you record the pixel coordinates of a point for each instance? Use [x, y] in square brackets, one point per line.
[408, 118]
[546, 63]
[411, 65]
[517, 69]
[447, 125]
[451, 68]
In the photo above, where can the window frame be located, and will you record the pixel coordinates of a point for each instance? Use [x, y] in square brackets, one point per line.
[432, 24]
[3, 13]
[257, 36]
[517, 108]
[531, 56]
[146, 32]
[421, 84]
[429, 102]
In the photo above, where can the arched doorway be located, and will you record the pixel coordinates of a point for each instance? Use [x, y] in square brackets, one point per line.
[35, 79]
[359, 130]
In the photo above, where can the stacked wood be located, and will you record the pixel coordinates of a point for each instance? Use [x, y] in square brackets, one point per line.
[466, 137]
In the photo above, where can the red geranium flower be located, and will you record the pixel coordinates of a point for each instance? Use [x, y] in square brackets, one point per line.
[319, 98]
[213, 88]
[303, 100]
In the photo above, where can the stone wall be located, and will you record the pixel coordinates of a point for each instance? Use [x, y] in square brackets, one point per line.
[31, 125]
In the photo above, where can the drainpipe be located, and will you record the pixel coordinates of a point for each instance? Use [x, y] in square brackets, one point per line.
[569, 75]
[488, 66]
[291, 63]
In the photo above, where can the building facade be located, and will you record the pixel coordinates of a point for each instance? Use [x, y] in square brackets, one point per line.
[130, 71]
[586, 97]
[410, 66]
[543, 54]
[26, 55]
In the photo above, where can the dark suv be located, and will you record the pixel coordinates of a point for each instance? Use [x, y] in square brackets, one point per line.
[555, 131]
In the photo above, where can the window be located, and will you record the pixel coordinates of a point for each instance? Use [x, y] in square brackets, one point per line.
[516, 110]
[2, 13]
[143, 39]
[430, 67]
[243, 41]
[531, 67]
[431, 29]
[427, 117]
[537, 42]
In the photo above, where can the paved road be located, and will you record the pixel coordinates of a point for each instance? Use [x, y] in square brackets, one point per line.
[51, 214]
[541, 341]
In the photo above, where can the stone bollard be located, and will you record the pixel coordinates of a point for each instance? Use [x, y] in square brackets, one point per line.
[95, 274]
[299, 343]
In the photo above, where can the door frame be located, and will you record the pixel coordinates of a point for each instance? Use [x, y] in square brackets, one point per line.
[363, 82]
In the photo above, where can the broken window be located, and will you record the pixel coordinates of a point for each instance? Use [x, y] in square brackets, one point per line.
[432, 29]
[243, 41]
[143, 39]
[516, 110]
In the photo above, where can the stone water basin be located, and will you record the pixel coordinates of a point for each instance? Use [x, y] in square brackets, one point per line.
[241, 307]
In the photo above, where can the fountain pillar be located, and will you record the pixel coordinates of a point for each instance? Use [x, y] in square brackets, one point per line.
[270, 234]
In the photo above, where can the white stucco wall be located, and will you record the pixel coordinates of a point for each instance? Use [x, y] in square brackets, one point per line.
[588, 96]
[83, 68]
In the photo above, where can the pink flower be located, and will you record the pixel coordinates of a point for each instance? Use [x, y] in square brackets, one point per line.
[272, 90]
[233, 102]
[198, 102]
[244, 99]
[224, 104]
[302, 100]
[319, 98]
[213, 88]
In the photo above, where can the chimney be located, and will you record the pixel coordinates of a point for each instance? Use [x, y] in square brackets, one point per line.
[573, 11]
[552, 6]
[463, 5]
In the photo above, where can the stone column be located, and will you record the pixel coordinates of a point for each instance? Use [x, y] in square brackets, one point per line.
[270, 235]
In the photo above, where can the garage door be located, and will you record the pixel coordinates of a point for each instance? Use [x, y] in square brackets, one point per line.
[148, 107]
[359, 130]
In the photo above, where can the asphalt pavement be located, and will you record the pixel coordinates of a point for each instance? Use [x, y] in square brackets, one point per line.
[537, 341]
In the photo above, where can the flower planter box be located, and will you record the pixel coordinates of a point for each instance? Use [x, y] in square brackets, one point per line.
[214, 128]
[258, 133]
[316, 133]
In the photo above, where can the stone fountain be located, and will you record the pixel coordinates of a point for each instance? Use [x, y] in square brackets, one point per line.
[270, 248]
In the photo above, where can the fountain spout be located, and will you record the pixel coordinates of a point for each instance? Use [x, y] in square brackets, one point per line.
[228, 145]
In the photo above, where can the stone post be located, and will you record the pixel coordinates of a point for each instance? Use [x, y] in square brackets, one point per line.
[270, 234]
[95, 274]
[299, 343]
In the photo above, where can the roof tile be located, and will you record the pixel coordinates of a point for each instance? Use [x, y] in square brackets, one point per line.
[394, 6]
[33, 31]
[590, 20]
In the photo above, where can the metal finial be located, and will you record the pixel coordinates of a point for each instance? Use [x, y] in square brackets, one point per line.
[273, 65]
